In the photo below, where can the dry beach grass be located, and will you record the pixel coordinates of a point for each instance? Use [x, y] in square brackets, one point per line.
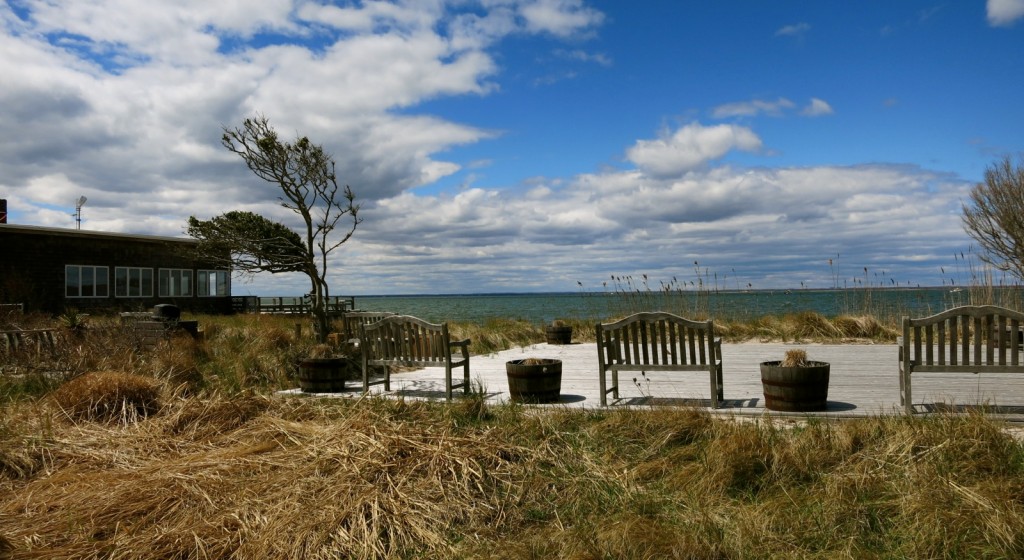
[183, 453]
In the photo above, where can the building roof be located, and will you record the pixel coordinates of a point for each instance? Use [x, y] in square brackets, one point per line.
[40, 230]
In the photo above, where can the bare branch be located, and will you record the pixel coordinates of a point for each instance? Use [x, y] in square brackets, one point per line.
[995, 216]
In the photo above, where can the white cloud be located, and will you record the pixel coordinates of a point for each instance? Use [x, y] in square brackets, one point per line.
[137, 130]
[752, 108]
[796, 29]
[175, 33]
[559, 17]
[130, 112]
[748, 222]
[1004, 12]
[583, 56]
[406, 16]
[778, 108]
[817, 108]
[690, 147]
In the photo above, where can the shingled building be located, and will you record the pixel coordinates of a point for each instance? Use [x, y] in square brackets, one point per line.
[53, 270]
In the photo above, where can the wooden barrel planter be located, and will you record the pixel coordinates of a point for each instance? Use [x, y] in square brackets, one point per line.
[534, 380]
[795, 389]
[322, 375]
[558, 334]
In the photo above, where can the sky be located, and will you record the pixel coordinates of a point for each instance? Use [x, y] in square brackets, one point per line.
[532, 145]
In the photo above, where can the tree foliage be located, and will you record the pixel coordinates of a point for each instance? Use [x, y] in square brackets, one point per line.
[253, 243]
[304, 173]
[995, 216]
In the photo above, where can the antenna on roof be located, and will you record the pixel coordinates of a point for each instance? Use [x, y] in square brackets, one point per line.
[78, 210]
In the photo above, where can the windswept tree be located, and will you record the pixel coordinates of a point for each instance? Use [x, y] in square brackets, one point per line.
[995, 216]
[309, 187]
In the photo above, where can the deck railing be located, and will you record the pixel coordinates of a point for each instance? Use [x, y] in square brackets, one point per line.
[288, 304]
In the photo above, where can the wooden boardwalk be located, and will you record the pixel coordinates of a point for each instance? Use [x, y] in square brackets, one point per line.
[864, 380]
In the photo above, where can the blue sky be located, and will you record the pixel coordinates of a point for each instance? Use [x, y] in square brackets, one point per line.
[532, 145]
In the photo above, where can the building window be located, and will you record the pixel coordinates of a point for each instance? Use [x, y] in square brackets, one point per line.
[213, 283]
[133, 282]
[175, 282]
[86, 281]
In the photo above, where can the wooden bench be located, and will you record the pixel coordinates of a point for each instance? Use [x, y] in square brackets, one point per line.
[658, 342]
[352, 320]
[36, 341]
[401, 340]
[968, 339]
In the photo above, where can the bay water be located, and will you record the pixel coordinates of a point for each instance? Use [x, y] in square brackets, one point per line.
[542, 308]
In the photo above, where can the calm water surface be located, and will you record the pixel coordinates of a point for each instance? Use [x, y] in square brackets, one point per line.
[546, 307]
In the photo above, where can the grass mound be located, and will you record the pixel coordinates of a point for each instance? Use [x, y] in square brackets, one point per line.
[108, 396]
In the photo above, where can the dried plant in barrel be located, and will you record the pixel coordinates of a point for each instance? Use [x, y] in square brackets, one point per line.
[795, 384]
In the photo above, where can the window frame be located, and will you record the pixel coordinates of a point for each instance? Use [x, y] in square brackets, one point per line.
[221, 281]
[133, 274]
[80, 285]
[173, 282]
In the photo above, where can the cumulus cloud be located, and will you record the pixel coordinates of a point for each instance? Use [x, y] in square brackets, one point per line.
[690, 147]
[752, 223]
[125, 102]
[1004, 12]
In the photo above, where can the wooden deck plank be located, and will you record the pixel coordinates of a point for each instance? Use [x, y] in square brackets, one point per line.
[863, 380]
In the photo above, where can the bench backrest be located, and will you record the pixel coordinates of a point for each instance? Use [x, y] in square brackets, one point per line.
[405, 339]
[656, 339]
[964, 338]
[351, 321]
[36, 341]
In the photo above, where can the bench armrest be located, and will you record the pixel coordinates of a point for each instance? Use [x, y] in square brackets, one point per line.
[464, 342]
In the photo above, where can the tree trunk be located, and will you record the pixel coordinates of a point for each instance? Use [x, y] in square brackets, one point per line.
[321, 322]
[318, 310]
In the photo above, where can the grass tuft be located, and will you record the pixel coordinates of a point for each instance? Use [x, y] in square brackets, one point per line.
[108, 396]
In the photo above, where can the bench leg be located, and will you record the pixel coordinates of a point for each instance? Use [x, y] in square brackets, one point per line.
[603, 379]
[716, 387]
[366, 376]
[905, 397]
[448, 380]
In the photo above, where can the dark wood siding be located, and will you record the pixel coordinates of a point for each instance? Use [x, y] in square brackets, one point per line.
[32, 265]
